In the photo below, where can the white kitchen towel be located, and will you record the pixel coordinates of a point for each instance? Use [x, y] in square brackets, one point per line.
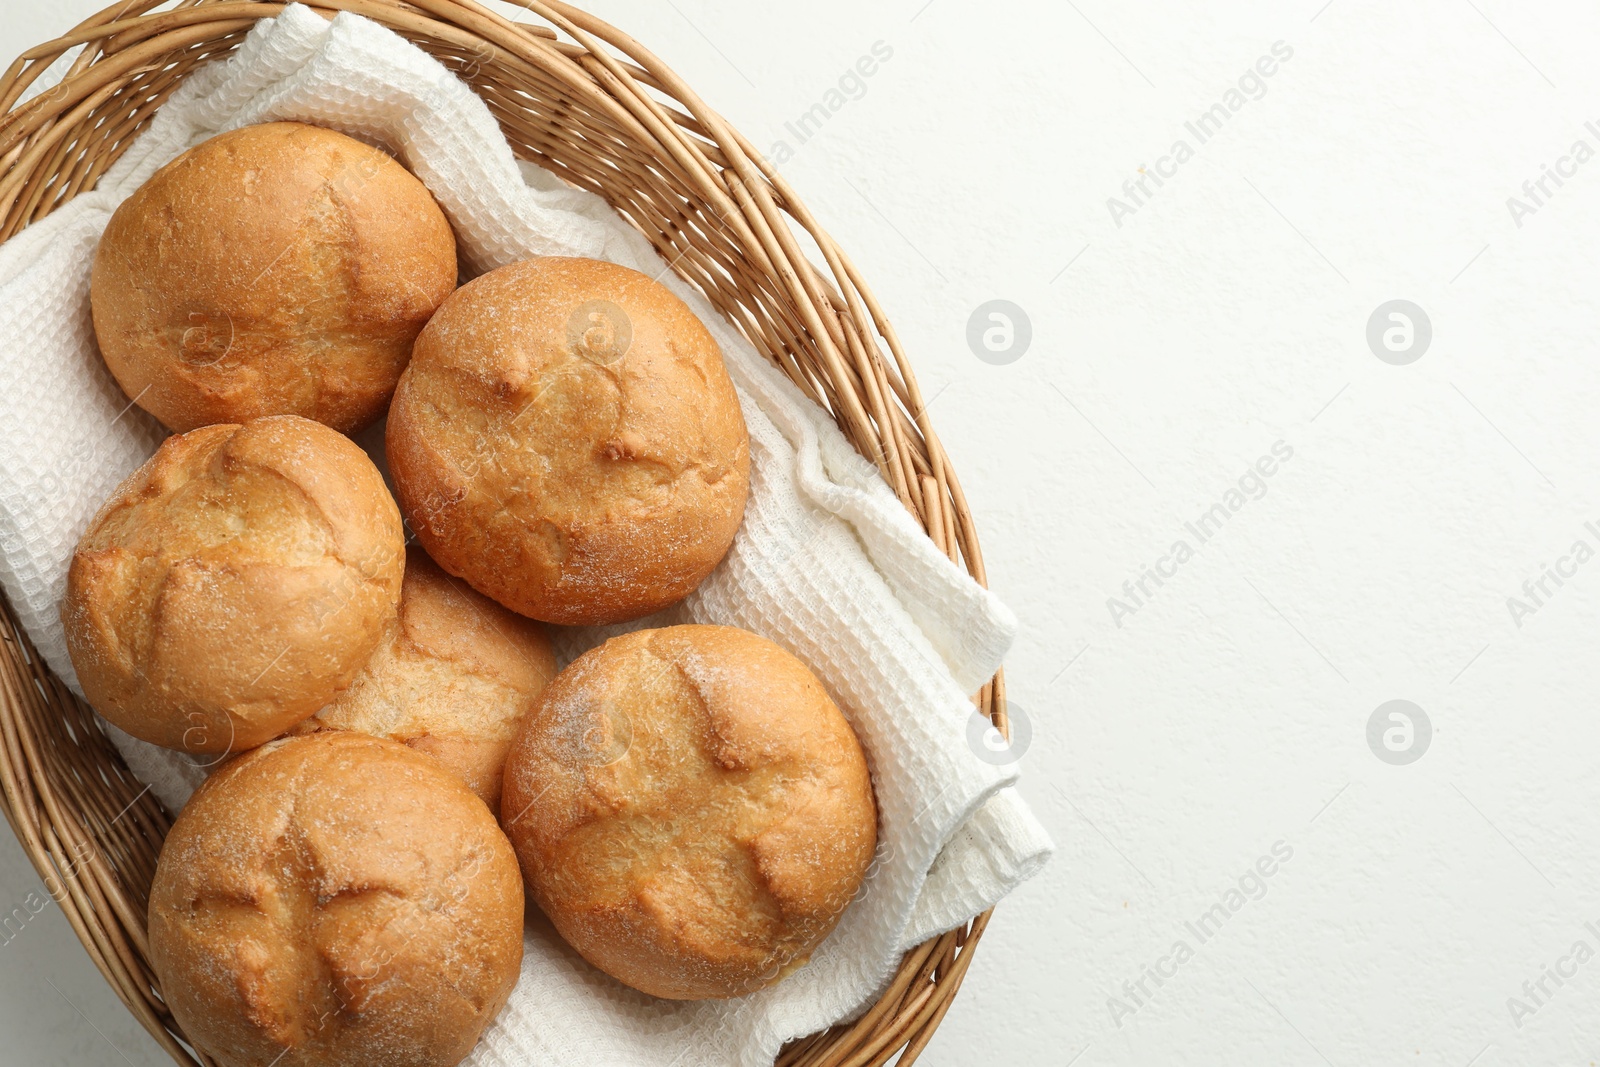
[827, 563]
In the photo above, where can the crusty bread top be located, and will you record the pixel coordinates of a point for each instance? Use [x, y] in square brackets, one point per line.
[274, 269]
[454, 676]
[233, 584]
[334, 900]
[567, 440]
[691, 810]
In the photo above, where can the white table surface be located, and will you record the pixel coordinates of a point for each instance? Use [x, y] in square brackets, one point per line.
[1182, 736]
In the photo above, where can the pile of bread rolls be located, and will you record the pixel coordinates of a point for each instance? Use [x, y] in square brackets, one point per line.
[398, 762]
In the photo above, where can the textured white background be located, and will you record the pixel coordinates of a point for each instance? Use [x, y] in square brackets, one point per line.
[1229, 712]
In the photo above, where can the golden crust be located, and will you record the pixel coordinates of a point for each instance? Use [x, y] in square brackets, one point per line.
[691, 810]
[567, 440]
[234, 584]
[274, 269]
[335, 899]
[454, 676]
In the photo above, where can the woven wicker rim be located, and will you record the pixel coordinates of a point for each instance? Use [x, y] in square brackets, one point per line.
[589, 103]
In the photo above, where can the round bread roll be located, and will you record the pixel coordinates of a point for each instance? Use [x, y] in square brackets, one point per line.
[280, 269]
[335, 900]
[567, 440]
[690, 810]
[454, 676]
[233, 584]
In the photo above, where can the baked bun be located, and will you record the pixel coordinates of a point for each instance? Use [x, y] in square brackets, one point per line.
[690, 810]
[335, 900]
[233, 584]
[280, 269]
[567, 440]
[454, 676]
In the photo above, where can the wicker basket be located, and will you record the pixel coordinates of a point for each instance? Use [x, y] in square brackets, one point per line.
[587, 102]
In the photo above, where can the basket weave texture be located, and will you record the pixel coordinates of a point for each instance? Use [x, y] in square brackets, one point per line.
[587, 102]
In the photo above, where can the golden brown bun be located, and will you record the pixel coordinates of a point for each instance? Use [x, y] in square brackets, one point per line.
[280, 269]
[233, 584]
[335, 900]
[454, 676]
[567, 440]
[690, 809]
